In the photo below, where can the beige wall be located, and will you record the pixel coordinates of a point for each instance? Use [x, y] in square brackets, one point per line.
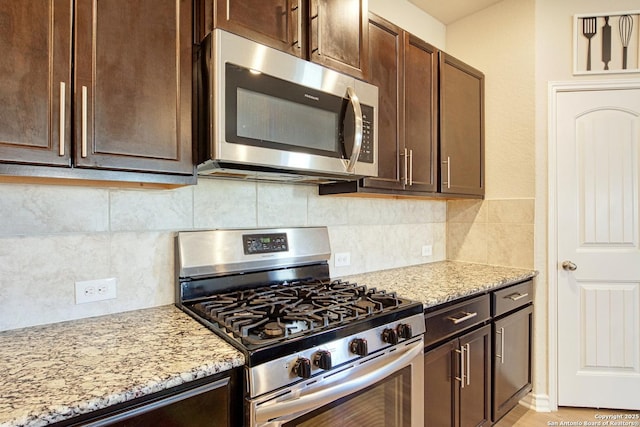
[412, 19]
[521, 45]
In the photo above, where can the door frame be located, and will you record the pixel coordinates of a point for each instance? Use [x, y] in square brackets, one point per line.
[554, 89]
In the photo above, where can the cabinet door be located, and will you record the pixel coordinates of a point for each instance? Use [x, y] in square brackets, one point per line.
[338, 34]
[385, 71]
[512, 360]
[420, 114]
[271, 22]
[475, 395]
[133, 85]
[35, 81]
[439, 385]
[461, 128]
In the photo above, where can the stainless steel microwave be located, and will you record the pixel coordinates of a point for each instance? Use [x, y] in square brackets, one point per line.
[265, 114]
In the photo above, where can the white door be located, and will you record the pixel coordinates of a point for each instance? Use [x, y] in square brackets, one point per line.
[598, 159]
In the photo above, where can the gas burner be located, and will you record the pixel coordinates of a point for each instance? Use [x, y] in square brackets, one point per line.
[273, 329]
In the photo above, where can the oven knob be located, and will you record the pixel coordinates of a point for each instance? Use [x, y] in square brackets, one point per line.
[359, 346]
[302, 367]
[322, 360]
[390, 336]
[404, 330]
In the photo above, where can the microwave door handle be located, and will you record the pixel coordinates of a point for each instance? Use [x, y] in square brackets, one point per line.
[357, 139]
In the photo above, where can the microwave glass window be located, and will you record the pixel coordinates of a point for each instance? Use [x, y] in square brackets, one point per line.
[268, 118]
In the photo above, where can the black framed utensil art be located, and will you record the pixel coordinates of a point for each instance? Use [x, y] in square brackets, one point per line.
[606, 43]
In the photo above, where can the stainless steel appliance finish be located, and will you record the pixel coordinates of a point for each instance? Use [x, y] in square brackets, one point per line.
[265, 114]
[314, 346]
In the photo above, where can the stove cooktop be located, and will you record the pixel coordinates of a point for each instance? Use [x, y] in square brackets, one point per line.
[282, 318]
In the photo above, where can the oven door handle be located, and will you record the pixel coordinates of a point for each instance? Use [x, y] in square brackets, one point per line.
[376, 371]
[357, 138]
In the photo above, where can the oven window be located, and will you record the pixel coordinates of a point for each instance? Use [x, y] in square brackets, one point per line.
[385, 404]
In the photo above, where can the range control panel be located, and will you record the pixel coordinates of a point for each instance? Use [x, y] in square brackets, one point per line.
[264, 243]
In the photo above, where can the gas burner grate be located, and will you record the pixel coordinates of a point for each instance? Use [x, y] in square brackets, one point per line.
[286, 310]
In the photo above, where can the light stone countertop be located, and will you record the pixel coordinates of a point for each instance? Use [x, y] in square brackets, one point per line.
[54, 372]
[443, 281]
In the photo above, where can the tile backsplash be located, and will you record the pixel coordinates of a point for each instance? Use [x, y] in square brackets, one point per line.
[53, 236]
[498, 232]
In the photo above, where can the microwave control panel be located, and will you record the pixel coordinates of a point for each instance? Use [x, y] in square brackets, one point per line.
[366, 151]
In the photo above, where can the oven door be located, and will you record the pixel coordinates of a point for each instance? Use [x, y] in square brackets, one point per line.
[385, 389]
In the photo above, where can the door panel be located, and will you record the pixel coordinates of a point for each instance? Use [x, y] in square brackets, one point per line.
[475, 396]
[512, 351]
[461, 127]
[271, 22]
[35, 76]
[134, 59]
[607, 159]
[439, 385]
[338, 34]
[598, 137]
[385, 71]
[420, 127]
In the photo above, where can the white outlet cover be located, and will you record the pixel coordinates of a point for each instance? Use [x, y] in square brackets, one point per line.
[342, 259]
[427, 250]
[95, 290]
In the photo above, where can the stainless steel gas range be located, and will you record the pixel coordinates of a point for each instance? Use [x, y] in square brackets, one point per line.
[318, 351]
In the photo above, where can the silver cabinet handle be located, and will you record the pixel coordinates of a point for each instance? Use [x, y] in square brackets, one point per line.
[406, 166]
[468, 346]
[319, 34]
[318, 48]
[63, 110]
[448, 163]
[83, 149]
[517, 296]
[298, 8]
[357, 139]
[461, 378]
[569, 266]
[410, 167]
[466, 316]
[501, 356]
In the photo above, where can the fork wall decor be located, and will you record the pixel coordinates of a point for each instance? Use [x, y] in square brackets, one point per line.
[606, 43]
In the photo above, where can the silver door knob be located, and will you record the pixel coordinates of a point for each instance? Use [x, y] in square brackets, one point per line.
[569, 266]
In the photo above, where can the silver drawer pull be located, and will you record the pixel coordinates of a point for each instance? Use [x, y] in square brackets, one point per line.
[501, 356]
[466, 316]
[517, 296]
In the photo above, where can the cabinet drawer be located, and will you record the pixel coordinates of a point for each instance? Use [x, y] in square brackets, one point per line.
[457, 318]
[510, 298]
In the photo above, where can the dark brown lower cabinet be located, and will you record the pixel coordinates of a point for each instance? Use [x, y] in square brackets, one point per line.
[458, 381]
[208, 402]
[512, 337]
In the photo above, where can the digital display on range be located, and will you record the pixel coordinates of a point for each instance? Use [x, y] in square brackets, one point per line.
[265, 243]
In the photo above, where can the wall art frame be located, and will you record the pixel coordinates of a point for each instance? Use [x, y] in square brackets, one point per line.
[606, 43]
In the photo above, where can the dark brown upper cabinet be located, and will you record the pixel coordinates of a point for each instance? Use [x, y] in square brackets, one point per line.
[430, 120]
[405, 70]
[328, 32]
[461, 128]
[126, 107]
[35, 82]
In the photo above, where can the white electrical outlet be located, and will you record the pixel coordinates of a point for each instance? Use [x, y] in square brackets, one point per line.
[427, 250]
[342, 259]
[95, 290]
